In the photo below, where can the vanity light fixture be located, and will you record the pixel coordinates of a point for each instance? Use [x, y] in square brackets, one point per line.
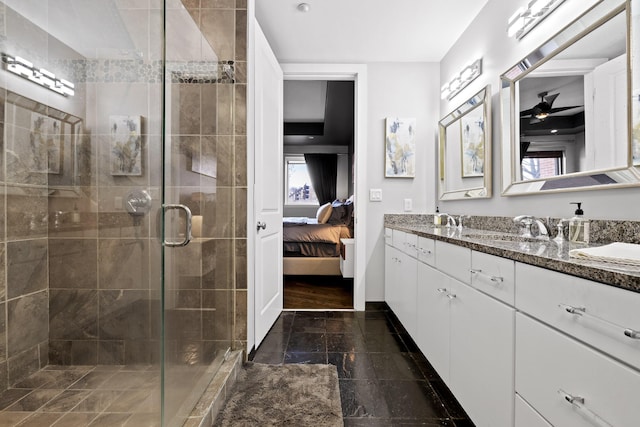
[461, 80]
[27, 70]
[525, 19]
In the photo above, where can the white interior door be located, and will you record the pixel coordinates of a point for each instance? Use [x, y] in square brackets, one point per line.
[268, 195]
[608, 92]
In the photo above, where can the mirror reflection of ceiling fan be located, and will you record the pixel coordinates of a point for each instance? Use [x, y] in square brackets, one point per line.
[544, 108]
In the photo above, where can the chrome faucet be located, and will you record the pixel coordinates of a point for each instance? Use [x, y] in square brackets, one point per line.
[527, 221]
[460, 219]
[451, 221]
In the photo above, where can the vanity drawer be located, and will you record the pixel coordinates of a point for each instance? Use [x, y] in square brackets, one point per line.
[454, 260]
[551, 368]
[406, 242]
[388, 236]
[427, 251]
[526, 416]
[494, 276]
[603, 316]
[398, 238]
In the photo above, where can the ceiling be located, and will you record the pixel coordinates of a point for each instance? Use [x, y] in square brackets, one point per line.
[106, 29]
[327, 103]
[359, 31]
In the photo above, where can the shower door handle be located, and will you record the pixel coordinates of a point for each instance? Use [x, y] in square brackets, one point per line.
[187, 226]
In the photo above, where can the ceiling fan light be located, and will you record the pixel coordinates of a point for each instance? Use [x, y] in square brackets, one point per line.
[542, 115]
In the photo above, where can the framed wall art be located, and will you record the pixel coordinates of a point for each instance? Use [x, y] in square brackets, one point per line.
[400, 147]
[472, 141]
[126, 145]
[45, 136]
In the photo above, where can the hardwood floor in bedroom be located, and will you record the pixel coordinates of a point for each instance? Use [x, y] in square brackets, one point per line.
[318, 292]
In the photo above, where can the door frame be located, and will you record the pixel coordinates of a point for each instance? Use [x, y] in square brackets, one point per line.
[358, 74]
[352, 72]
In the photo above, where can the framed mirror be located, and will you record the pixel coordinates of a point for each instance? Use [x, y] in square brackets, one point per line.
[465, 149]
[567, 109]
[43, 145]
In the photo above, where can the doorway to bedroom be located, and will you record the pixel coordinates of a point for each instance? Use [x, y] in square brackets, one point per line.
[319, 182]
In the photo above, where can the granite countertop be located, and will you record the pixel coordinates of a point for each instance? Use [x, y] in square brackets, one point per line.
[545, 254]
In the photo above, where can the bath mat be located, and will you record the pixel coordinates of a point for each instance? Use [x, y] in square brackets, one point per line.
[283, 395]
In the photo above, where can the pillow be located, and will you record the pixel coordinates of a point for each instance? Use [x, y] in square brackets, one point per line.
[342, 213]
[324, 212]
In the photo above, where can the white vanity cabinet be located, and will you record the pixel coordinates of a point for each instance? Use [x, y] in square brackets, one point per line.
[494, 276]
[401, 278]
[467, 336]
[434, 318]
[391, 272]
[518, 345]
[481, 360]
[602, 316]
[454, 260]
[426, 251]
[526, 416]
[577, 361]
[570, 384]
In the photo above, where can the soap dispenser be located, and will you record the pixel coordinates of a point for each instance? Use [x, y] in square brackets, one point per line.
[578, 226]
[75, 215]
[436, 217]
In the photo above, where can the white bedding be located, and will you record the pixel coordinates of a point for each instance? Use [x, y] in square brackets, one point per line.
[298, 220]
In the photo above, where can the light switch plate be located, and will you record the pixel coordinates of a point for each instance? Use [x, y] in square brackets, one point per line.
[408, 205]
[375, 194]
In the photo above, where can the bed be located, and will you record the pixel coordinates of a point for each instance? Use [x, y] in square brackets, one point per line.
[311, 246]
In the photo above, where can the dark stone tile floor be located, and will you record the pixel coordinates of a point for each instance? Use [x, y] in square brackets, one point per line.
[81, 396]
[384, 379]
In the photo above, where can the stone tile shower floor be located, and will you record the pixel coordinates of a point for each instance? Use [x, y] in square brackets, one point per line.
[384, 378]
[83, 396]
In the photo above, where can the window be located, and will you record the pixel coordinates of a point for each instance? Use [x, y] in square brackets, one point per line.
[542, 164]
[297, 184]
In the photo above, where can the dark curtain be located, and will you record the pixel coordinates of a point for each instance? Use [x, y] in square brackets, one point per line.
[323, 171]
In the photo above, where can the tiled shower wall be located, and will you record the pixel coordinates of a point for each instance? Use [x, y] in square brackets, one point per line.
[24, 293]
[87, 291]
[212, 126]
[24, 200]
[224, 25]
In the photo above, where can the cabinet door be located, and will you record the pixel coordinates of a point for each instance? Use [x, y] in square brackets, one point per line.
[432, 334]
[391, 277]
[570, 384]
[407, 305]
[526, 416]
[482, 356]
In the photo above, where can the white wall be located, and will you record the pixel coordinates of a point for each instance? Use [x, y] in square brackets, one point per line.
[486, 37]
[398, 90]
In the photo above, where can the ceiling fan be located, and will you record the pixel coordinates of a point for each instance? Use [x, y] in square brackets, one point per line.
[544, 108]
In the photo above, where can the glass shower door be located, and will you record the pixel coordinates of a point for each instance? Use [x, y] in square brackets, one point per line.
[109, 110]
[197, 299]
